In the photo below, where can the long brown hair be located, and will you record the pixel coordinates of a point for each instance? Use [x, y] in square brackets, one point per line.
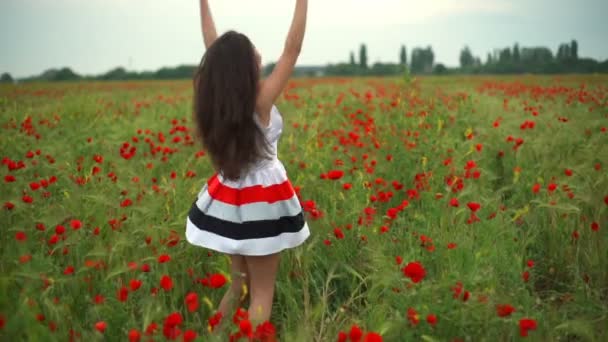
[225, 91]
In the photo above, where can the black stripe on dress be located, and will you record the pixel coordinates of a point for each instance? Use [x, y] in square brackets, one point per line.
[247, 229]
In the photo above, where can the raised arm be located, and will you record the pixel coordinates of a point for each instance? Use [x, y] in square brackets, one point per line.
[208, 26]
[272, 87]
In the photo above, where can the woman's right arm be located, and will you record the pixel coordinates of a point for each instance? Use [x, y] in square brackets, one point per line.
[272, 86]
[208, 26]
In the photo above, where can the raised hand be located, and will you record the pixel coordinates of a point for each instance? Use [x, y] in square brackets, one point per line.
[207, 24]
[272, 87]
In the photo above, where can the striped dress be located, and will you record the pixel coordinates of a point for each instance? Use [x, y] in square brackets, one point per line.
[259, 214]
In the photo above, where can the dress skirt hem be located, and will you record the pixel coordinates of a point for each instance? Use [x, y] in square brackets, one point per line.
[248, 247]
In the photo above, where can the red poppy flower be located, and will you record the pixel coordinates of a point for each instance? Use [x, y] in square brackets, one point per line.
[127, 202]
[164, 258]
[454, 202]
[134, 336]
[575, 235]
[338, 233]
[189, 336]
[217, 280]
[99, 299]
[166, 282]
[392, 213]
[151, 328]
[20, 236]
[335, 174]
[101, 326]
[192, 301]
[75, 224]
[525, 325]
[398, 260]
[536, 188]
[54, 239]
[414, 271]
[413, 316]
[245, 327]
[265, 332]
[372, 337]
[135, 284]
[122, 294]
[504, 310]
[59, 229]
[431, 319]
[171, 326]
[355, 333]
[215, 320]
[25, 258]
[474, 206]
[34, 186]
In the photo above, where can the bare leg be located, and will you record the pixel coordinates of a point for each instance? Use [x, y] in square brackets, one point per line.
[238, 273]
[262, 272]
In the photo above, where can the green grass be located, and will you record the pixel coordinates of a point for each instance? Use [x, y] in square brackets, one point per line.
[321, 289]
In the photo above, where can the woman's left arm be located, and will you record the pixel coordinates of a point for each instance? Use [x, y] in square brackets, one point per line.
[208, 26]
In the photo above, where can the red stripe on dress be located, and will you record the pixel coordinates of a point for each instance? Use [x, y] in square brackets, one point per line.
[250, 194]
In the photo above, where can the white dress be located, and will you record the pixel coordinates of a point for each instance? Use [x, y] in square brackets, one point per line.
[259, 214]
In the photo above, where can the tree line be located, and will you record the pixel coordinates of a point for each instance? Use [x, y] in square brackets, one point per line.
[507, 60]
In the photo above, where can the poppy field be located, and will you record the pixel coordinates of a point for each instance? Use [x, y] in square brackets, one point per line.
[440, 208]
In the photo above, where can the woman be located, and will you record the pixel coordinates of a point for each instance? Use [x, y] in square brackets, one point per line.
[248, 209]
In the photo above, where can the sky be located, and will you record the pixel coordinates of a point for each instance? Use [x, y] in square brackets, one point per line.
[94, 36]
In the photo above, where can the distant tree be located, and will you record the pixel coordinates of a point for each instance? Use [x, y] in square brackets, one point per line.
[489, 59]
[115, 74]
[352, 58]
[269, 68]
[343, 69]
[466, 58]
[6, 78]
[516, 55]
[440, 69]
[384, 69]
[403, 56]
[422, 60]
[65, 74]
[574, 49]
[505, 56]
[564, 53]
[363, 56]
[536, 55]
[417, 60]
[430, 58]
[180, 72]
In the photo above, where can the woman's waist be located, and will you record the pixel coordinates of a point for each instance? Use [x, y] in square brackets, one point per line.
[263, 164]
